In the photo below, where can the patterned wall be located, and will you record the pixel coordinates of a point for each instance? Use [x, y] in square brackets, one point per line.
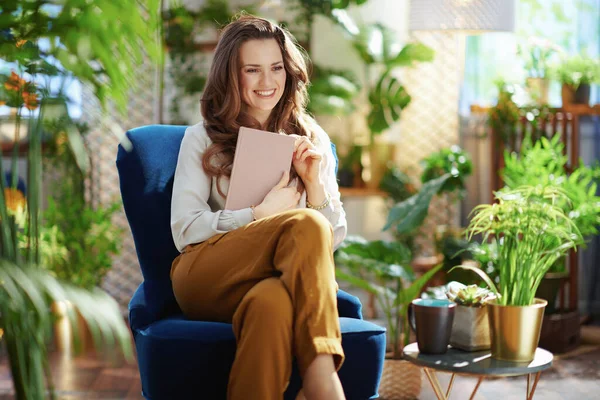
[431, 121]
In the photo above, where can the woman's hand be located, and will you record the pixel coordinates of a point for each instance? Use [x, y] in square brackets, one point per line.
[280, 198]
[307, 160]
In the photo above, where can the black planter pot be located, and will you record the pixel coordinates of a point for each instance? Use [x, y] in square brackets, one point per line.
[345, 177]
[572, 96]
[549, 288]
[582, 94]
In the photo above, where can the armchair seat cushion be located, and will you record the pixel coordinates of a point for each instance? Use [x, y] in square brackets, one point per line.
[178, 357]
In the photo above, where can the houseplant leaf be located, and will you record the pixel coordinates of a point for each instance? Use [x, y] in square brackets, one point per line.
[375, 43]
[481, 274]
[332, 94]
[410, 54]
[410, 213]
[409, 293]
[388, 98]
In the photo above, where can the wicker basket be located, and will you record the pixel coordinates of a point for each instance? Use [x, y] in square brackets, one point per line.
[400, 380]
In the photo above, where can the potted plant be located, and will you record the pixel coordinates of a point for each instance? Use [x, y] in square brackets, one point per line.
[532, 232]
[383, 269]
[577, 74]
[350, 168]
[456, 162]
[544, 162]
[537, 53]
[470, 329]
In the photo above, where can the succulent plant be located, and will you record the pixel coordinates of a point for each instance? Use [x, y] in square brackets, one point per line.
[470, 296]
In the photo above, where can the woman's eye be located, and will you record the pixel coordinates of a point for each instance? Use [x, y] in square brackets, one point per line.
[252, 70]
[278, 68]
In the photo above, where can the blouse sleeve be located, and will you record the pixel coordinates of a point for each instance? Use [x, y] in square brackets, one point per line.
[192, 220]
[334, 212]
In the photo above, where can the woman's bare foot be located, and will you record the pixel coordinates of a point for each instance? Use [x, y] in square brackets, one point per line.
[321, 381]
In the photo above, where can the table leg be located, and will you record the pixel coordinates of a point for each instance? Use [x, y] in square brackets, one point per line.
[435, 384]
[535, 382]
[450, 386]
[476, 388]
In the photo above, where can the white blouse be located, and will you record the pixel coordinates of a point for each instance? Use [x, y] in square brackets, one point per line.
[197, 207]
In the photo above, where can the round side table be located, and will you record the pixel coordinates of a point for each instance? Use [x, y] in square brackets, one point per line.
[479, 363]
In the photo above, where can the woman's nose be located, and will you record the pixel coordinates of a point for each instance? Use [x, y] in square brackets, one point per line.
[266, 78]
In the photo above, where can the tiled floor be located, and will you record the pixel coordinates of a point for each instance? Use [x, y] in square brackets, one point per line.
[575, 376]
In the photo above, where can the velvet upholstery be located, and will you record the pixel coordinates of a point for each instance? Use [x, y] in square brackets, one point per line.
[184, 359]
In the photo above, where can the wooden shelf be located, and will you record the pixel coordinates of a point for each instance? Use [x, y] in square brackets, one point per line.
[361, 192]
[576, 109]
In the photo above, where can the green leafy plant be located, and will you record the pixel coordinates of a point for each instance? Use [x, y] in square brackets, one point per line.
[409, 214]
[381, 55]
[544, 162]
[84, 43]
[332, 92]
[577, 70]
[397, 184]
[84, 40]
[454, 161]
[469, 296]
[532, 232]
[445, 172]
[537, 54]
[383, 269]
[398, 187]
[90, 237]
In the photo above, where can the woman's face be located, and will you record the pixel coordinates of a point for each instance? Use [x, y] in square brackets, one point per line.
[262, 77]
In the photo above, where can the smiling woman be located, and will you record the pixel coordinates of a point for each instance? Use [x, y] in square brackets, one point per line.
[267, 269]
[262, 77]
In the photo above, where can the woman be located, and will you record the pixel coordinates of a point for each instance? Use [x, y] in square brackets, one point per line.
[266, 269]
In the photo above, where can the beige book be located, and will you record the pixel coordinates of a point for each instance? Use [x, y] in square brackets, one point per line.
[259, 161]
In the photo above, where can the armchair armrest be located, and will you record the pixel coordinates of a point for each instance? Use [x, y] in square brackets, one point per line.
[348, 305]
[140, 315]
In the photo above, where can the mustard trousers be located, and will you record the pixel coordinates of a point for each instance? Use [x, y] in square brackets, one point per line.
[274, 280]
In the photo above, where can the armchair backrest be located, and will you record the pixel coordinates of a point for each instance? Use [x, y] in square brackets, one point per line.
[146, 175]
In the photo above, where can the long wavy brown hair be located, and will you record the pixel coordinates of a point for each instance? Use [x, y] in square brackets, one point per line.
[221, 103]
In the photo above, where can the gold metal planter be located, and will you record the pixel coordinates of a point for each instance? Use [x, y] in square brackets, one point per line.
[515, 330]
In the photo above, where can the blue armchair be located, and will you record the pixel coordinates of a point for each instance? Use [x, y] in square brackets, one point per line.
[184, 359]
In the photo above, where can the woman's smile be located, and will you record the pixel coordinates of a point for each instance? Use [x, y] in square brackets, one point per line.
[266, 94]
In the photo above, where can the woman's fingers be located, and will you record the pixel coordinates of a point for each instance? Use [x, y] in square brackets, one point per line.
[315, 155]
[304, 146]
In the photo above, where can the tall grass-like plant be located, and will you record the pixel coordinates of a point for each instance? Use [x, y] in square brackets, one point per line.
[532, 231]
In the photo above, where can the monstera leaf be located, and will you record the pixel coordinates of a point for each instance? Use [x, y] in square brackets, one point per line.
[376, 44]
[388, 98]
[332, 94]
[411, 54]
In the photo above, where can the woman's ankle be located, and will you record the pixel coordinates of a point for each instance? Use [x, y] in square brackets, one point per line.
[321, 380]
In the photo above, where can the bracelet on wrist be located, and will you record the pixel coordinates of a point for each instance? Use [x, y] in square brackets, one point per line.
[322, 205]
